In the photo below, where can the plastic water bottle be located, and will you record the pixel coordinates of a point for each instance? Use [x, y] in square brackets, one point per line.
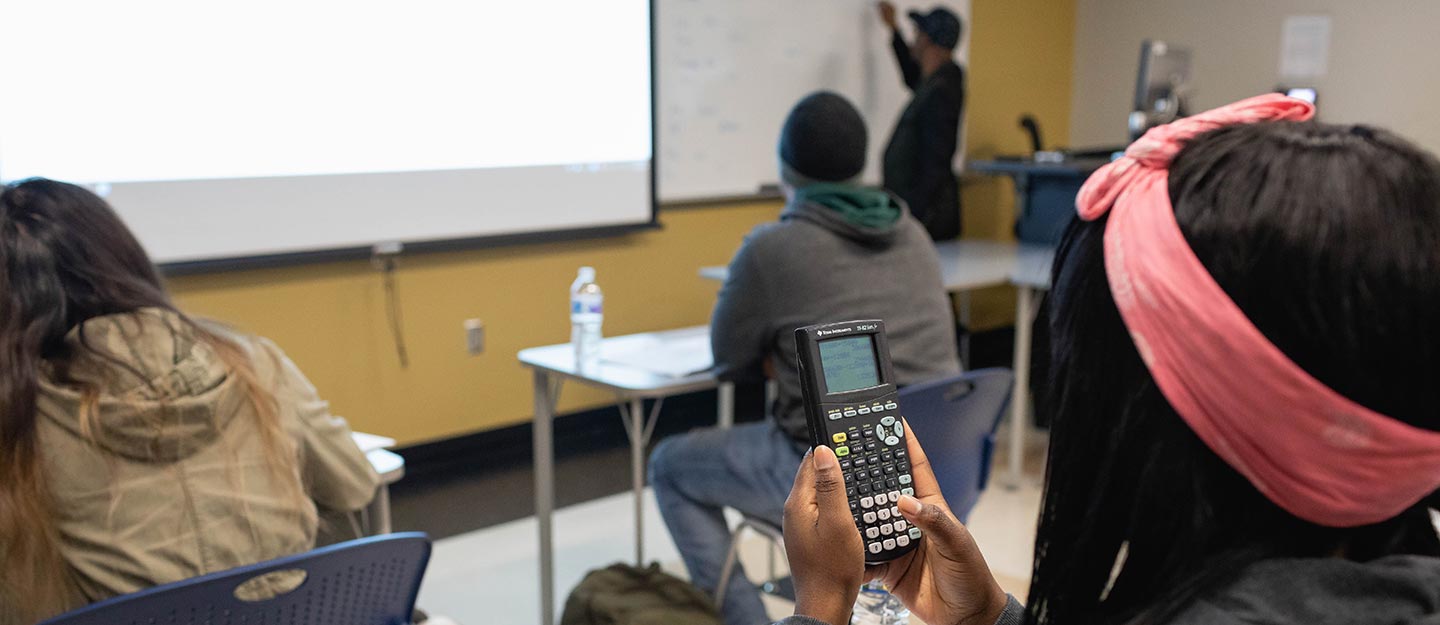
[876, 606]
[586, 314]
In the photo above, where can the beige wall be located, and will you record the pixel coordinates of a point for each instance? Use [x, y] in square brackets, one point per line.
[330, 318]
[1382, 62]
[1020, 60]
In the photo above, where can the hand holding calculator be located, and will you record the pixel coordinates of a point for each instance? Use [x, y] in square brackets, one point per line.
[851, 406]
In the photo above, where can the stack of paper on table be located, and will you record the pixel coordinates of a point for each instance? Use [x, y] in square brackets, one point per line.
[675, 357]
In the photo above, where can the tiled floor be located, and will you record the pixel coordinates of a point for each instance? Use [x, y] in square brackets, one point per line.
[490, 575]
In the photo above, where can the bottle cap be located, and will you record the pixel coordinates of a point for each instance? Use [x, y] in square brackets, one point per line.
[587, 274]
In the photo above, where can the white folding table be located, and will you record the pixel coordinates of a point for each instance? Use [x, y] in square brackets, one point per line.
[632, 386]
[390, 466]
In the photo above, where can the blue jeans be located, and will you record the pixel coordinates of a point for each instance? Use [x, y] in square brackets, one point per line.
[748, 467]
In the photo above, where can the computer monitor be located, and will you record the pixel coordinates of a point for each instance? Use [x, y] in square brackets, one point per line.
[1161, 86]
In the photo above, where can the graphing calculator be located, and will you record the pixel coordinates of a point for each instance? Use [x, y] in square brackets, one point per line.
[852, 406]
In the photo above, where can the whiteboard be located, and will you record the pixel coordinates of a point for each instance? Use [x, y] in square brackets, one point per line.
[729, 70]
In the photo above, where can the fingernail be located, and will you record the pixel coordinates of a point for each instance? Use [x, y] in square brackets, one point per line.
[825, 459]
[910, 505]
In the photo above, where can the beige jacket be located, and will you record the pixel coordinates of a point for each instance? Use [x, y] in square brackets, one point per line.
[176, 482]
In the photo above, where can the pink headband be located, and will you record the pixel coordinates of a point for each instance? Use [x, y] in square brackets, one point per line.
[1310, 450]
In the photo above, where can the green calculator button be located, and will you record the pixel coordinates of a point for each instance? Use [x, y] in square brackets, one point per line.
[842, 451]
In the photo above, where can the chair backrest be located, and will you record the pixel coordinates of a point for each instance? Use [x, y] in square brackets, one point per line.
[955, 418]
[371, 581]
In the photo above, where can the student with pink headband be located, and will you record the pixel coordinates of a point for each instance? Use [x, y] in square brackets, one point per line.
[1246, 397]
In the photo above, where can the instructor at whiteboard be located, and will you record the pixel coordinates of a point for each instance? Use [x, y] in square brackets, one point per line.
[921, 149]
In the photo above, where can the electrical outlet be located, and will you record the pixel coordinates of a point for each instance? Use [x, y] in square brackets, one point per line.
[474, 337]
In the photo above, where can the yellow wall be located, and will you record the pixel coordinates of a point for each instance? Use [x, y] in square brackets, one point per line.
[331, 318]
[1021, 61]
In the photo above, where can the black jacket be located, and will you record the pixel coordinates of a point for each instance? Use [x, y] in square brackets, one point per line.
[1393, 590]
[918, 160]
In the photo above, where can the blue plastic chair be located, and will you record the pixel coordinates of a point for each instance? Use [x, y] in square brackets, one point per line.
[371, 581]
[956, 418]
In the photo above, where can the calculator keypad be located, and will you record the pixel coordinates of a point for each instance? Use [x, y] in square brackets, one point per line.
[877, 472]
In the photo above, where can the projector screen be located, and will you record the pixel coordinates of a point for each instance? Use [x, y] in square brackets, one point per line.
[283, 127]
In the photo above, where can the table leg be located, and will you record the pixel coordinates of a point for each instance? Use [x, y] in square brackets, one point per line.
[637, 474]
[725, 405]
[544, 448]
[639, 426]
[964, 301]
[379, 521]
[1020, 396]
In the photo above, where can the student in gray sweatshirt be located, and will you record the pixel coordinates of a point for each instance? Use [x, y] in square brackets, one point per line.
[839, 251]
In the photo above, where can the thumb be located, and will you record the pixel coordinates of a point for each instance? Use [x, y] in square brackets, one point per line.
[829, 483]
[937, 523]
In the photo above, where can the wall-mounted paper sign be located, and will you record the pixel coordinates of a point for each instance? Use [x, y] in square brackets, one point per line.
[1304, 47]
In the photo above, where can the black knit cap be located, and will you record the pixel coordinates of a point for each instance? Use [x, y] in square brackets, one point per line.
[824, 138]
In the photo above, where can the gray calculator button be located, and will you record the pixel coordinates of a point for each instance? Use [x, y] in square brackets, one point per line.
[901, 525]
[884, 514]
[899, 431]
[887, 420]
[887, 530]
[905, 479]
[880, 432]
[895, 512]
[869, 517]
[907, 491]
[902, 540]
[872, 532]
[890, 405]
[891, 440]
[867, 502]
[850, 413]
[894, 496]
[889, 543]
[875, 547]
[915, 533]
[834, 416]
[864, 410]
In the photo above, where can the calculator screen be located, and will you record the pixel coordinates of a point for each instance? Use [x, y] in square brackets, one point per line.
[849, 363]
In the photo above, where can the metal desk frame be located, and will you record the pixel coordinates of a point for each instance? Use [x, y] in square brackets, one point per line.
[553, 365]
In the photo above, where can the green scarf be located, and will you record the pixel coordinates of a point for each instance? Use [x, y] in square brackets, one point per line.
[861, 206]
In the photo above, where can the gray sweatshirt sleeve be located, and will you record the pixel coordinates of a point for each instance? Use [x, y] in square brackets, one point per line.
[1014, 614]
[737, 329]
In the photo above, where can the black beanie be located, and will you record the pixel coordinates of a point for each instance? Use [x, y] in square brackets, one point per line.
[824, 138]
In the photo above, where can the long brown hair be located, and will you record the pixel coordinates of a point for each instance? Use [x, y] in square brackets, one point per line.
[65, 258]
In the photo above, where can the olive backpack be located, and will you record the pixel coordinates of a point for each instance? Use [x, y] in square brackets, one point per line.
[622, 594]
